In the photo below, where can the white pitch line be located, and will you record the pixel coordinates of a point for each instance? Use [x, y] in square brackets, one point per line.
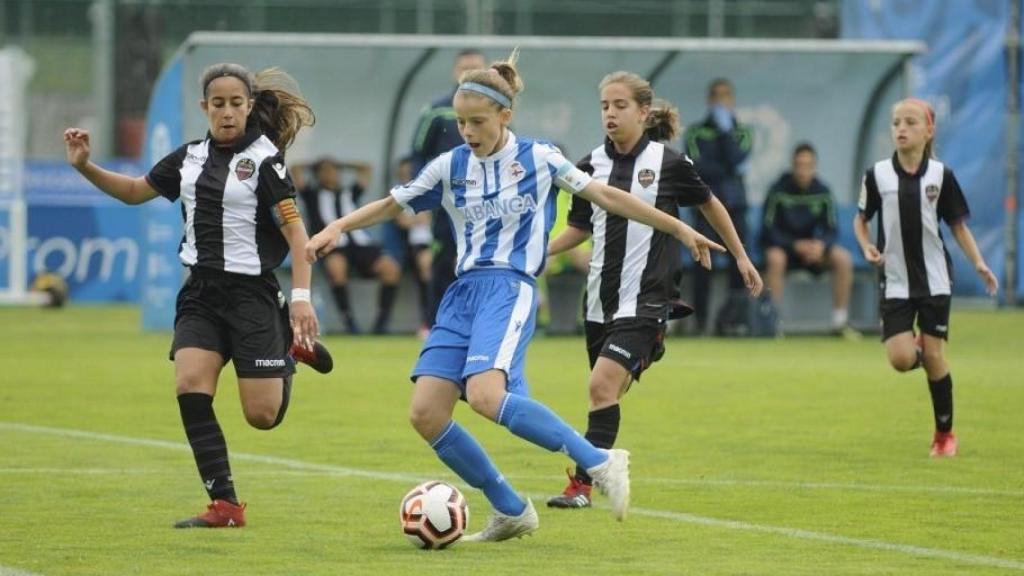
[8, 571]
[870, 543]
[866, 543]
[83, 471]
[782, 485]
[788, 485]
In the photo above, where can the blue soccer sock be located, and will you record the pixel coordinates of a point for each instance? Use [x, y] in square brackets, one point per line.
[535, 422]
[464, 455]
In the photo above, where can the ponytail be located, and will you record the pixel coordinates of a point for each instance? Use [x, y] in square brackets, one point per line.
[662, 121]
[279, 110]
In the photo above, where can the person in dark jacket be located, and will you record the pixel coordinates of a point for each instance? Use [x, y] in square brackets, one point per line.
[436, 133]
[800, 231]
[719, 147]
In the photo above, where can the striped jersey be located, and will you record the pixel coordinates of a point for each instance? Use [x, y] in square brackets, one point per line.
[226, 195]
[632, 264]
[502, 207]
[909, 207]
[324, 205]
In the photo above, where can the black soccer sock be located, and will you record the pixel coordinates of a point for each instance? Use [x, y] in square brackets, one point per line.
[942, 402]
[286, 395]
[602, 429]
[208, 445]
[341, 299]
[701, 296]
[340, 292]
[385, 302]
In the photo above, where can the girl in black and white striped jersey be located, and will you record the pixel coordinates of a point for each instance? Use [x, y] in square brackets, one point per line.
[238, 204]
[911, 192]
[630, 284]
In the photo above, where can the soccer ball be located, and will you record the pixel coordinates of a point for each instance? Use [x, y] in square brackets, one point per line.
[434, 515]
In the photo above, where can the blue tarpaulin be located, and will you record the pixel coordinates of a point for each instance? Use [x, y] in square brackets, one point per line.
[964, 76]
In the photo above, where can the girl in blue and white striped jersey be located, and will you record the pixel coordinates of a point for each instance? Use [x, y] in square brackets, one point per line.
[499, 191]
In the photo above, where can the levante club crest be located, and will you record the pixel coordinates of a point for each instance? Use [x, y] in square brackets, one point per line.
[645, 177]
[245, 168]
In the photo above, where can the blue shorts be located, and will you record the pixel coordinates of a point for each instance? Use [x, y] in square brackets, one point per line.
[485, 321]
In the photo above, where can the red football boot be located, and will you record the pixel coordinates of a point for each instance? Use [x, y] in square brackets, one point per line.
[318, 358]
[575, 495]
[943, 445]
[219, 514]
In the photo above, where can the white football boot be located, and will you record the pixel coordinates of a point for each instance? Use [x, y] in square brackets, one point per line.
[611, 477]
[503, 527]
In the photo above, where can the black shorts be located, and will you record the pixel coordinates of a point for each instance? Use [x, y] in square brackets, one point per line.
[633, 343]
[932, 314]
[794, 262]
[361, 258]
[242, 318]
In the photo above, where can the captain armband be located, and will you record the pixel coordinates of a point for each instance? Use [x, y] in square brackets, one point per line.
[572, 178]
[285, 212]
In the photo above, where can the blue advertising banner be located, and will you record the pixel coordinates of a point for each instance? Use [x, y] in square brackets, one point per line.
[5, 247]
[963, 76]
[76, 231]
[161, 220]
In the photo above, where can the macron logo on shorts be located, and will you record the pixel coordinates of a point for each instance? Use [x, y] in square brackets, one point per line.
[271, 363]
[479, 358]
[620, 350]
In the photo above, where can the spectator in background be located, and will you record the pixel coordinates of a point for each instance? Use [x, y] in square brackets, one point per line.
[417, 242]
[326, 199]
[800, 231]
[437, 133]
[719, 147]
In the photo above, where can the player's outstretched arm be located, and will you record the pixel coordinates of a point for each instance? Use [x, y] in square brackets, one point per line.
[966, 241]
[375, 212]
[628, 206]
[570, 238]
[720, 220]
[125, 188]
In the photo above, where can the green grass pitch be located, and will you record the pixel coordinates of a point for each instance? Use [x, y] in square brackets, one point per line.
[795, 456]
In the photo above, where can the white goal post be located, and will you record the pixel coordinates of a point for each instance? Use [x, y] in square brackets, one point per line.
[16, 69]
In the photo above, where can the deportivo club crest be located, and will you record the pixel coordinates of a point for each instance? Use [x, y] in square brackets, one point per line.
[645, 177]
[516, 171]
[245, 168]
[931, 191]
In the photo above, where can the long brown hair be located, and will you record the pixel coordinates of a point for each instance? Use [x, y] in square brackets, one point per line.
[662, 118]
[279, 110]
